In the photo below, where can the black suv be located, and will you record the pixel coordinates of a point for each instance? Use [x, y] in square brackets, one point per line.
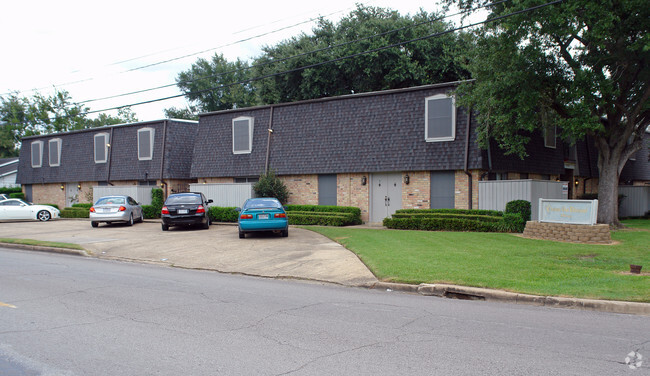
[185, 209]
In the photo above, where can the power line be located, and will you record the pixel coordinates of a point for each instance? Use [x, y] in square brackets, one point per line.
[295, 56]
[337, 59]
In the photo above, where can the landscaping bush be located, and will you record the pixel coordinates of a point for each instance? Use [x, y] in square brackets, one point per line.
[475, 217]
[441, 224]
[223, 214]
[511, 222]
[157, 200]
[270, 185]
[519, 206]
[8, 191]
[318, 219]
[19, 195]
[82, 205]
[75, 213]
[324, 215]
[453, 211]
[455, 220]
[150, 212]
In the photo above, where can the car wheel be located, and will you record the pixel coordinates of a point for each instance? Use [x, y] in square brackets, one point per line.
[242, 234]
[285, 233]
[43, 215]
[130, 222]
[165, 227]
[141, 219]
[206, 225]
[94, 224]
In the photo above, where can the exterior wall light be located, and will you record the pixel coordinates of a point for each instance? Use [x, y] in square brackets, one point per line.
[364, 180]
[407, 179]
[78, 186]
[577, 182]
[62, 187]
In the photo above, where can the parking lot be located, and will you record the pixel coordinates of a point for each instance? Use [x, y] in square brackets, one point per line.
[302, 255]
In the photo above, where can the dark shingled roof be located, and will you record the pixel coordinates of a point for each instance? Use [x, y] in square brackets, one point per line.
[370, 132]
[77, 154]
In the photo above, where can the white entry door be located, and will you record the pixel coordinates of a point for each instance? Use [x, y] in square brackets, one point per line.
[386, 195]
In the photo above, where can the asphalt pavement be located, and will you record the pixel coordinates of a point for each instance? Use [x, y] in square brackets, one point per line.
[304, 255]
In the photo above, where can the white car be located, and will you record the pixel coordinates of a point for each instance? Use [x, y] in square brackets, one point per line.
[19, 209]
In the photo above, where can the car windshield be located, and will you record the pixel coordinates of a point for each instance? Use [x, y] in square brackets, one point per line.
[183, 199]
[110, 201]
[262, 204]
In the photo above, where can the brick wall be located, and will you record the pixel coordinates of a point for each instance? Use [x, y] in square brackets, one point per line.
[417, 194]
[351, 192]
[303, 189]
[462, 189]
[596, 234]
[48, 194]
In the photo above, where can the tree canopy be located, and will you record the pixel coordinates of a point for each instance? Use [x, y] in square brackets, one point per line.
[338, 62]
[580, 65]
[26, 116]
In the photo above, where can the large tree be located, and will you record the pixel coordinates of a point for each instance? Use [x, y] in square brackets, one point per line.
[26, 116]
[349, 56]
[580, 65]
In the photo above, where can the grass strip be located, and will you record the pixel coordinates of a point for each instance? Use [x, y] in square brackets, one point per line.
[505, 261]
[41, 243]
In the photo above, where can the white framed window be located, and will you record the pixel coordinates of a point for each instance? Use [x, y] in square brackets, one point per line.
[550, 137]
[145, 144]
[37, 154]
[242, 135]
[54, 152]
[101, 147]
[440, 118]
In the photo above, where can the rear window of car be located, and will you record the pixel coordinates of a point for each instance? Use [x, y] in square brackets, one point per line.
[262, 204]
[183, 199]
[110, 201]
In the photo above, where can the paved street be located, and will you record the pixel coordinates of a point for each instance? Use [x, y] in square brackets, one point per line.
[68, 315]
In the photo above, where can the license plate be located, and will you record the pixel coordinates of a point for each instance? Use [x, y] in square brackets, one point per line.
[262, 216]
[182, 211]
[106, 210]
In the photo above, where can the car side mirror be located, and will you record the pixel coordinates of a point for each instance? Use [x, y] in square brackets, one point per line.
[209, 201]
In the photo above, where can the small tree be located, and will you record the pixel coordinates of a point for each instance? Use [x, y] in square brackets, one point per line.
[270, 185]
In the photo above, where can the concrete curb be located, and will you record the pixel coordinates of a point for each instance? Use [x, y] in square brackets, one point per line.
[67, 251]
[476, 293]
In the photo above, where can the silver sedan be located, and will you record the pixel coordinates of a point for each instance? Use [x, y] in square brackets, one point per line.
[116, 209]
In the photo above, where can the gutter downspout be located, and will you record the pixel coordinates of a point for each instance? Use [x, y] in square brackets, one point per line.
[110, 154]
[162, 160]
[268, 142]
[466, 170]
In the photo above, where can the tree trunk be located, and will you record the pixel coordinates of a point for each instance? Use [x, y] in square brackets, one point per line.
[608, 189]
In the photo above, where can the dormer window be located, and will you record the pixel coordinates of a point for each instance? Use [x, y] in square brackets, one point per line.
[54, 152]
[145, 144]
[37, 154]
[101, 147]
[242, 135]
[440, 118]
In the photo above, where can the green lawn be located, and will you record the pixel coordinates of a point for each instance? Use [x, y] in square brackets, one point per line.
[505, 261]
[41, 243]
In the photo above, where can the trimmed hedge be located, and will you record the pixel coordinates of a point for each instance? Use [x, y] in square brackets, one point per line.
[150, 212]
[519, 206]
[454, 211]
[318, 219]
[8, 191]
[455, 220]
[323, 215]
[475, 217]
[223, 214]
[19, 195]
[75, 212]
[83, 205]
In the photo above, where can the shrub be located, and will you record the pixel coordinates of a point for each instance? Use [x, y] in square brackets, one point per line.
[270, 185]
[75, 213]
[318, 219]
[19, 195]
[223, 214]
[453, 211]
[476, 217]
[519, 206]
[8, 191]
[512, 222]
[82, 205]
[157, 200]
[440, 224]
[345, 215]
[150, 212]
